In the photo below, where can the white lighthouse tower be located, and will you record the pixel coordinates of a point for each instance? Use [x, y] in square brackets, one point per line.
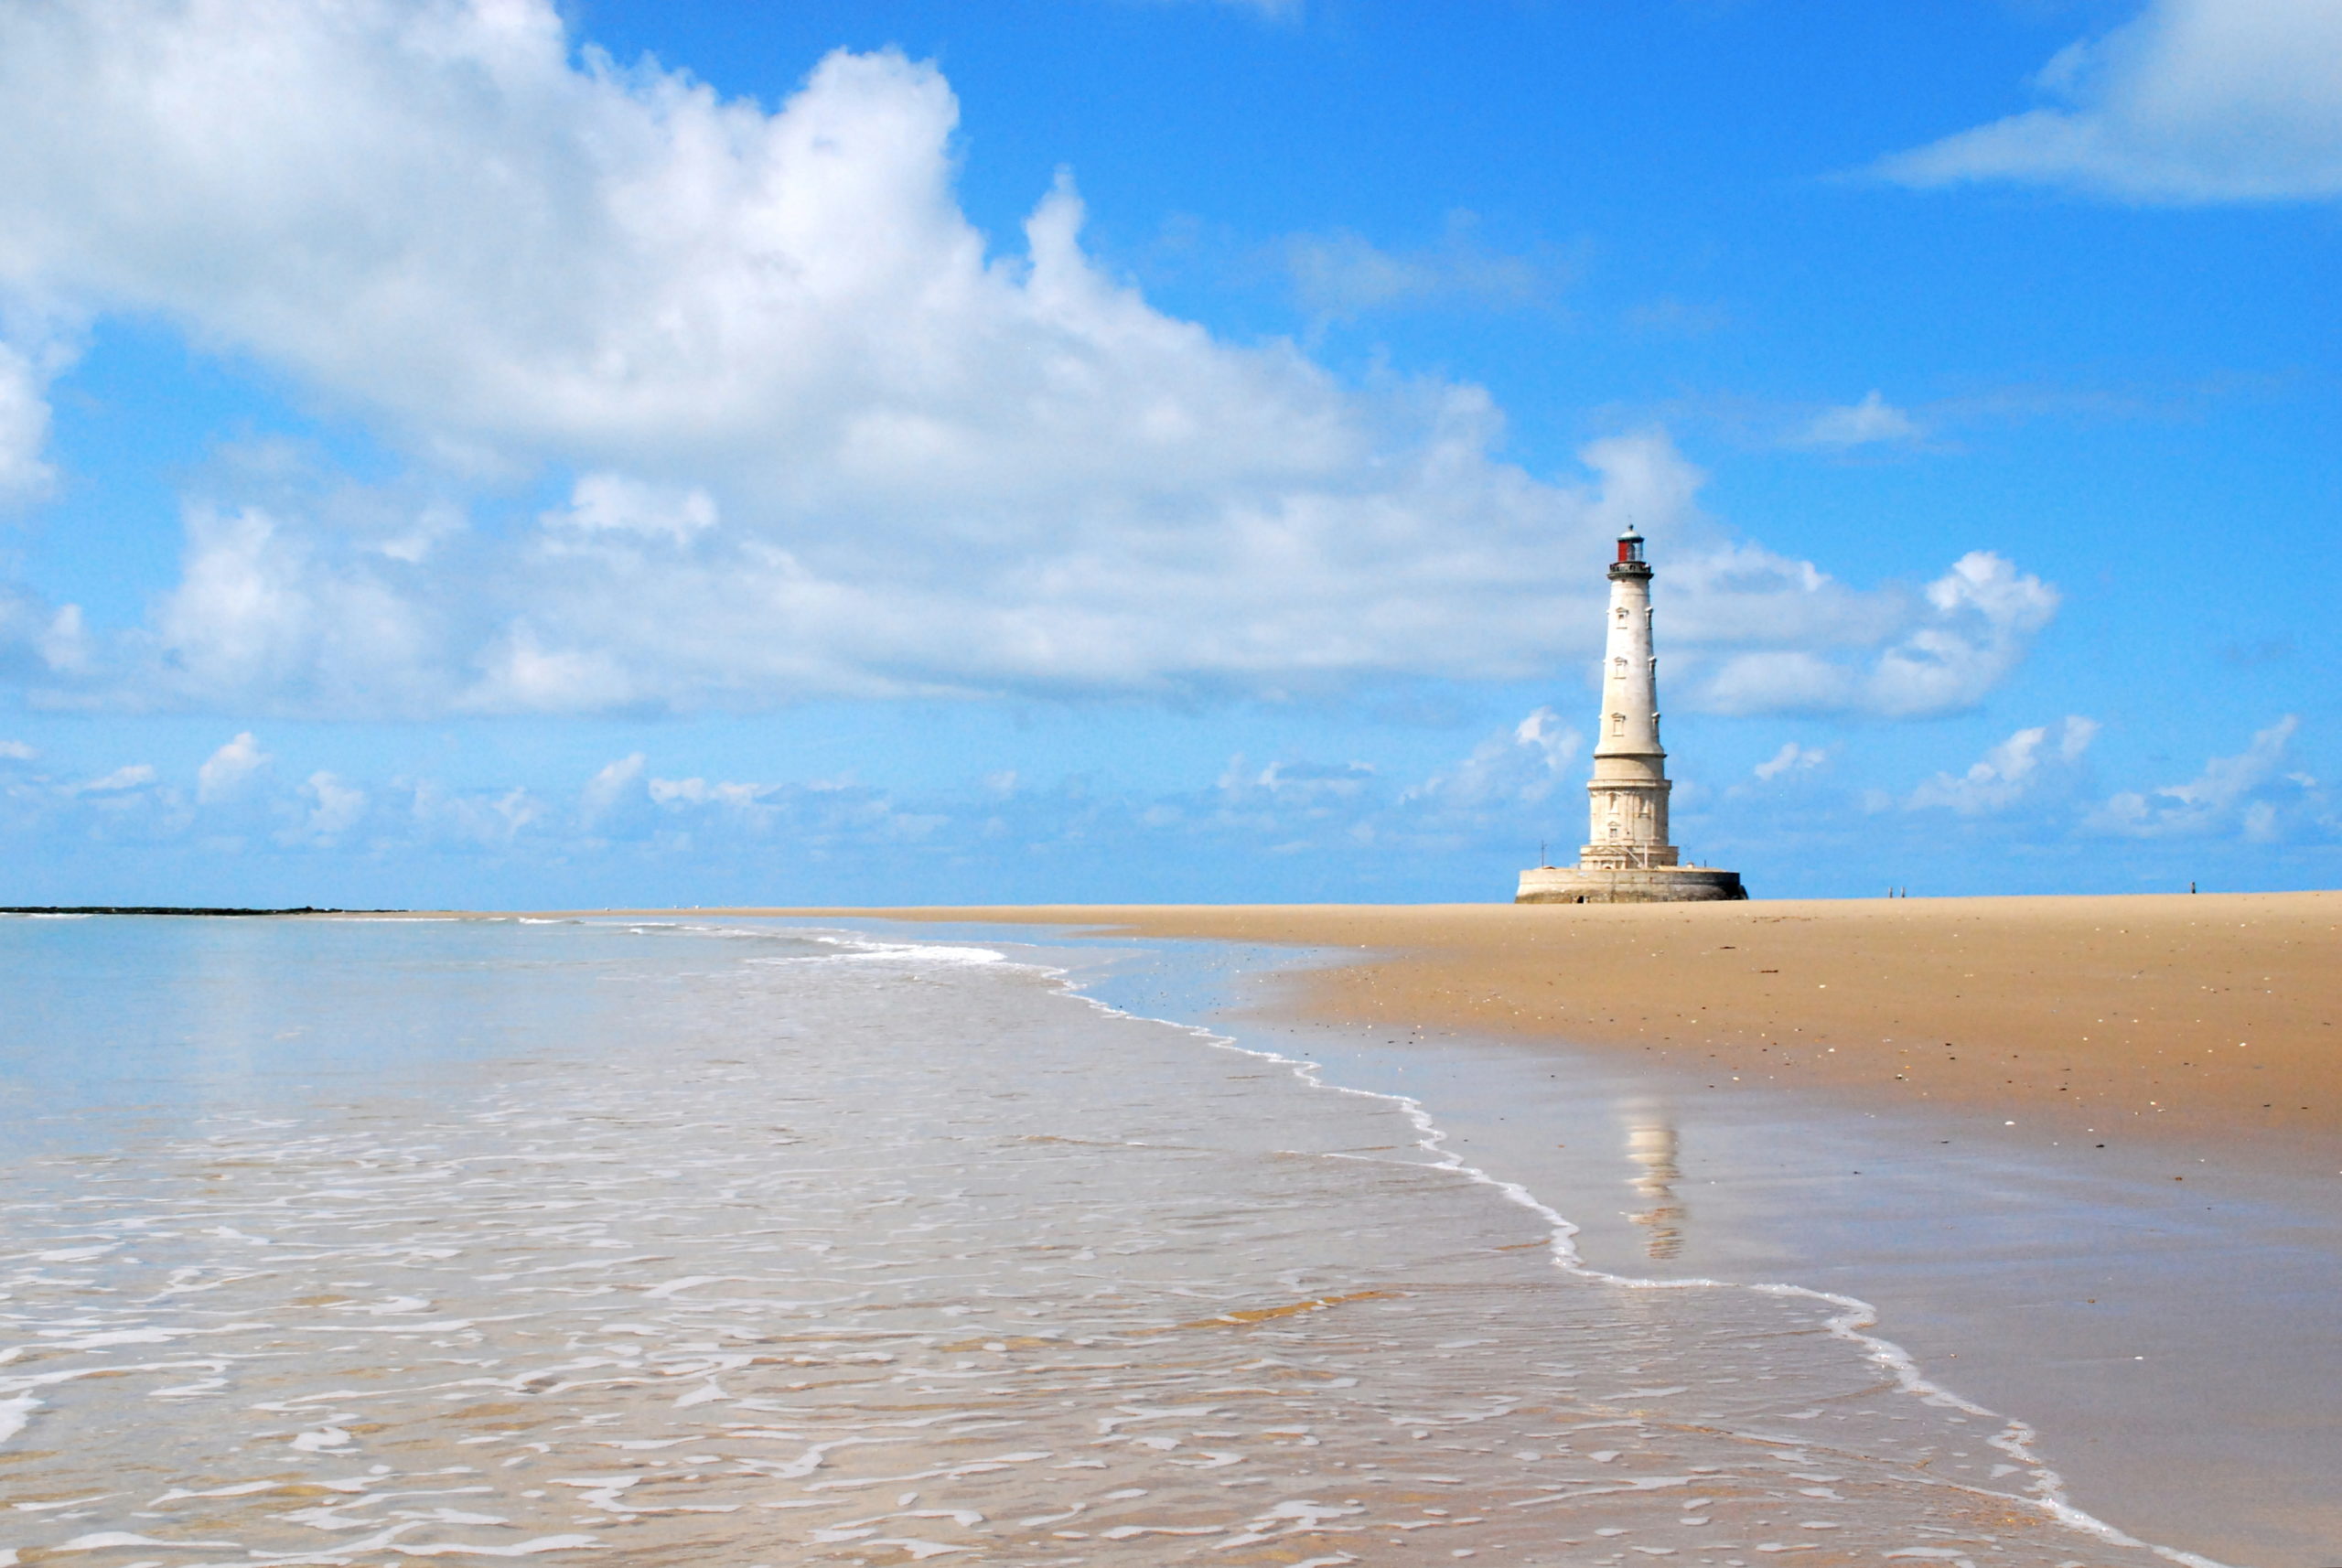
[1628, 858]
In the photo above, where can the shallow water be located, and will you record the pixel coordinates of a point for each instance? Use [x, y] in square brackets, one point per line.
[341, 1242]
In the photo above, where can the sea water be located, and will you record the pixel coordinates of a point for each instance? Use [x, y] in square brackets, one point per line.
[336, 1241]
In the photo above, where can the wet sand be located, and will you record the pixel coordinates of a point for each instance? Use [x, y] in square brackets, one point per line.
[2082, 1153]
[2178, 1345]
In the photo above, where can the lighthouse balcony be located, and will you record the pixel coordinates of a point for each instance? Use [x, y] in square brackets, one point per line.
[1626, 856]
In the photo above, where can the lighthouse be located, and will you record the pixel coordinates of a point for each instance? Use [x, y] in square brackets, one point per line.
[1627, 857]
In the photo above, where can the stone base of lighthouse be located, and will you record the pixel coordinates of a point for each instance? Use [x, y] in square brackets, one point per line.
[1628, 884]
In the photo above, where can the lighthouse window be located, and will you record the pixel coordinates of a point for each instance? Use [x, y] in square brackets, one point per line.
[1620, 665]
[1617, 723]
[1622, 615]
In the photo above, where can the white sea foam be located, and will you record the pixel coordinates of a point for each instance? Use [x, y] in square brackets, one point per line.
[15, 1414]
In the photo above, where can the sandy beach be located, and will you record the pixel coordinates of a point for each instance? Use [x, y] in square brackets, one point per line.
[2213, 1019]
[2080, 1152]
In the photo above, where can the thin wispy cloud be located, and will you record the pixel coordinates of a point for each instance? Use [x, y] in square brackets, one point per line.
[1342, 275]
[2010, 771]
[2190, 101]
[1871, 421]
[1791, 759]
[2242, 793]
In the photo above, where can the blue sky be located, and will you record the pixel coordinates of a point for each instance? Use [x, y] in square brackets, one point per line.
[484, 454]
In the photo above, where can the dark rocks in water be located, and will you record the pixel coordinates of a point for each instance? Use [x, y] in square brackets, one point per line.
[169, 909]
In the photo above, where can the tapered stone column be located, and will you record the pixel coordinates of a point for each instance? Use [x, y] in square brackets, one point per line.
[1629, 857]
[1627, 795]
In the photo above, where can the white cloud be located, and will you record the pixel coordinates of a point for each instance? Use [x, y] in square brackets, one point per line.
[226, 771]
[1894, 655]
[38, 642]
[24, 471]
[820, 441]
[609, 789]
[443, 816]
[1306, 784]
[16, 751]
[332, 808]
[1792, 759]
[612, 503]
[2226, 794]
[1521, 766]
[1861, 424]
[700, 792]
[137, 775]
[2191, 100]
[265, 607]
[2008, 772]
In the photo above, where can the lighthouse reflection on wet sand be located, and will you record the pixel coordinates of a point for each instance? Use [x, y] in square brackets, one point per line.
[1629, 857]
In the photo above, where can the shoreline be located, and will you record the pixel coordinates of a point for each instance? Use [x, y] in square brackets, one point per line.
[2101, 1216]
[2211, 1022]
[2177, 1343]
[2175, 1348]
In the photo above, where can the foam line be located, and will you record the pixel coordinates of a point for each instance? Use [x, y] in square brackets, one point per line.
[15, 1414]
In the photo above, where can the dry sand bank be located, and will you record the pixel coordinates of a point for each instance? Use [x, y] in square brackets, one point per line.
[2214, 1017]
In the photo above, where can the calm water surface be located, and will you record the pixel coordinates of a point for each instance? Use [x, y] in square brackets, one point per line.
[353, 1243]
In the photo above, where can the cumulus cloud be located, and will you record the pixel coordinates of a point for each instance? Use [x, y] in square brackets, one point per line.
[2009, 771]
[227, 770]
[818, 437]
[2242, 793]
[2192, 100]
[329, 808]
[1886, 653]
[297, 617]
[16, 751]
[1863, 424]
[1496, 796]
